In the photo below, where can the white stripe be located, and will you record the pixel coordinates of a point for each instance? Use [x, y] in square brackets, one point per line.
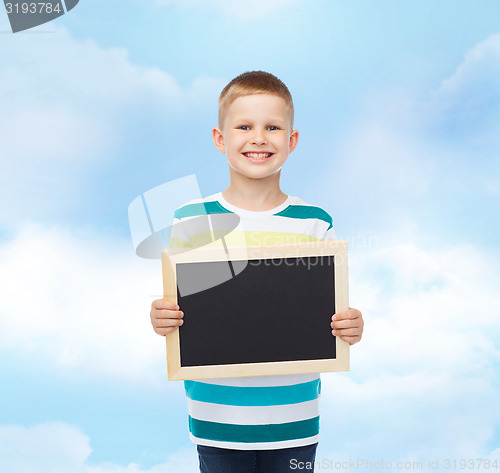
[299, 227]
[253, 415]
[285, 225]
[255, 446]
[264, 381]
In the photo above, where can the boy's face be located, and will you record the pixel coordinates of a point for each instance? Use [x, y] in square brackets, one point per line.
[256, 135]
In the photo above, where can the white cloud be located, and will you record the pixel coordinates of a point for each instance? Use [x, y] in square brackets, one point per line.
[239, 9]
[66, 106]
[427, 360]
[478, 73]
[77, 300]
[423, 379]
[415, 156]
[495, 454]
[384, 160]
[468, 102]
[57, 447]
[53, 447]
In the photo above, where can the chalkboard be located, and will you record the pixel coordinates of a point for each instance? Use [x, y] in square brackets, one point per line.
[259, 310]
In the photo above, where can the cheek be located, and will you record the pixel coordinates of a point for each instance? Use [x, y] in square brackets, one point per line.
[235, 144]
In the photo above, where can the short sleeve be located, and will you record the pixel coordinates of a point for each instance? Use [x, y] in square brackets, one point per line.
[330, 232]
[330, 235]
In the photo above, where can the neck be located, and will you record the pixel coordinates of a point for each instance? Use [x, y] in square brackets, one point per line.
[254, 194]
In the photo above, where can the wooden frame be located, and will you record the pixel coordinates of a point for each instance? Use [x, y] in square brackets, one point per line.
[211, 253]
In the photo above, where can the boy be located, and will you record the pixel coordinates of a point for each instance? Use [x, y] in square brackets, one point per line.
[268, 423]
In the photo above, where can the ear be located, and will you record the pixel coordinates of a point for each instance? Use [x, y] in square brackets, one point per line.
[294, 138]
[218, 139]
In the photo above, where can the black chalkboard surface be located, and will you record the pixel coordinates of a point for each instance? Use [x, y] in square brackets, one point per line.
[265, 313]
[279, 311]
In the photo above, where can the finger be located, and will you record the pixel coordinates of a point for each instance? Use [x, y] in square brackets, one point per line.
[349, 323]
[347, 314]
[167, 314]
[165, 331]
[164, 304]
[341, 316]
[346, 331]
[168, 322]
[350, 340]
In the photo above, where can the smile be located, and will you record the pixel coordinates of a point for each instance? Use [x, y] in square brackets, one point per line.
[258, 157]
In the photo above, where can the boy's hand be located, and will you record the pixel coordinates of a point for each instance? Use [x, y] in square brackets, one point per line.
[165, 316]
[348, 325]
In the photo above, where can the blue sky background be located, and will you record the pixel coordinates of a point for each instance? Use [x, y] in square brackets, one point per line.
[397, 104]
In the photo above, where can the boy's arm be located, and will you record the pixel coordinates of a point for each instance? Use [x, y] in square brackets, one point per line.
[348, 324]
[165, 315]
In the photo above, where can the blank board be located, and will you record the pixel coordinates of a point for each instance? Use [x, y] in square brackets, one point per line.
[256, 310]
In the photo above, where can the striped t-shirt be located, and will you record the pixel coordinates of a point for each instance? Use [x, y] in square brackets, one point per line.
[263, 412]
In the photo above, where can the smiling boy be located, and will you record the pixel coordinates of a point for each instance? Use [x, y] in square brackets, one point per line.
[267, 423]
[257, 138]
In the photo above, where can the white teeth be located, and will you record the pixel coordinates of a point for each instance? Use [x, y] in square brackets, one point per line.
[258, 155]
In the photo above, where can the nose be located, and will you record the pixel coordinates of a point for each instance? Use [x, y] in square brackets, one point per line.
[258, 138]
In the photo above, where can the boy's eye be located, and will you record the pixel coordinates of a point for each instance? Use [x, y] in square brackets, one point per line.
[247, 127]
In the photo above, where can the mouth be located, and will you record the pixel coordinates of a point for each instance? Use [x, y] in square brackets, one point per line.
[258, 157]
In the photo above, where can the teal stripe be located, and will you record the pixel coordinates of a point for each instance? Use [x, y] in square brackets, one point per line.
[254, 433]
[252, 395]
[306, 211]
[201, 208]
